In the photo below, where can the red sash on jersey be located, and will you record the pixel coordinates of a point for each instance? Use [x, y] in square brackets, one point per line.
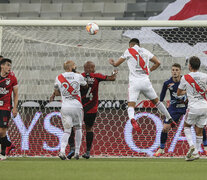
[62, 79]
[133, 52]
[194, 84]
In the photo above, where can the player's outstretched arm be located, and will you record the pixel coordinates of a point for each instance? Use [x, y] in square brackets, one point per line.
[117, 63]
[156, 63]
[15, 99]
[113, 76]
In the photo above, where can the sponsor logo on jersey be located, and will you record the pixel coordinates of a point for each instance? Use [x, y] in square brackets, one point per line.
[8, 82]
[170, 86]
[3, 91]
[90, 80]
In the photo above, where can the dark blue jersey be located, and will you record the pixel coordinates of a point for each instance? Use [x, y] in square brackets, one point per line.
[175, 101]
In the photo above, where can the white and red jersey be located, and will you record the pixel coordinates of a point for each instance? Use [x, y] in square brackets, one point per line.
[69, 84]
[138, 62]
[6, 87]
[195, 84]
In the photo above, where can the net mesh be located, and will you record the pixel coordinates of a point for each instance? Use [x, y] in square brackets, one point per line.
[38, 54]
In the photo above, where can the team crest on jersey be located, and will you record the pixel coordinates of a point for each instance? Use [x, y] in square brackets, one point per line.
[170, 86]
[8, 82]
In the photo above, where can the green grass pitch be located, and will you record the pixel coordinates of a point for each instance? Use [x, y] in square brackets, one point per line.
[102, 169]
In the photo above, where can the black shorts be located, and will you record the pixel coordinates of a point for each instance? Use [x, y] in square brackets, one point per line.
[4, 118]
[89, 119]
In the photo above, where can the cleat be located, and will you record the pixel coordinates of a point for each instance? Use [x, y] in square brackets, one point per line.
[77, 157]
[135, 125]
[8, 149]
[190, 152]
[86, 155]
[62, 156]
[71, 154]
[205, 150]
[159, 152]
[192, 157]
[2, 158]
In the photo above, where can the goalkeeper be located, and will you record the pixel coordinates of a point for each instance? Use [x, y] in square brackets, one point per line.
[177, 108]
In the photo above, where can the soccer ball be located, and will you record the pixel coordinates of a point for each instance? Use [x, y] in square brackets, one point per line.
[92, 28]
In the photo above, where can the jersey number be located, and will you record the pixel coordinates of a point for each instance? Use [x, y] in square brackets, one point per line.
[138, 62]
[67, 86]
[89, 94]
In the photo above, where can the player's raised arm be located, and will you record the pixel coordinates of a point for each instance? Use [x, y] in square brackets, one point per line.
[112, 77]
[156, 63]
[116, 63]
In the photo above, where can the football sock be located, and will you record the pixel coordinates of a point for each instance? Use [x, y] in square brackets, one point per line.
[64, 141]
[188, 135]
[204, 137]
[163, 139]
[130, 112]
[4, 143]
[71, 141]
[89, 140]
[199, 140]
[160, 106]
[78, 138]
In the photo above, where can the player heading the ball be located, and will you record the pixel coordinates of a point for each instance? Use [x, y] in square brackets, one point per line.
[138, 62]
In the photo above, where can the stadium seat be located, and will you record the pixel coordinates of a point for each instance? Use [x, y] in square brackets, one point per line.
[9, 10]
[51, 10]
[137, 9]
[154, 8]
[30, 104]
[41, 1]
[71, 9]
[65, 1]
[92, 9]
[29, 10]
[18, 1]
[53, 104]
[114, 9]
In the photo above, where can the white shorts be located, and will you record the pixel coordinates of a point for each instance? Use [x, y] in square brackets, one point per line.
[195, 119]
[71, 117]
[143, 86]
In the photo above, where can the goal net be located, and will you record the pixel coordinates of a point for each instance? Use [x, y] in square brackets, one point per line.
[38, 52]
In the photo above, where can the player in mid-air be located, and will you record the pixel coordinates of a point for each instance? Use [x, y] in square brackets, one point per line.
[90, 104]
[195, 85]
[67, 85]
[8, 84]
[138, 62]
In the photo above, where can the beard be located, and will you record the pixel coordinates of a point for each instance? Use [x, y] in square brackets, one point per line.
[74, 70]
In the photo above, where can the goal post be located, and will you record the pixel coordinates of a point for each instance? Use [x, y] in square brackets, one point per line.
[39, 48]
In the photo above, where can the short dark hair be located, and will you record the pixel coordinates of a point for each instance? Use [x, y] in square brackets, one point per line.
[4, 60]
[1, 56]
[135, 41]
[194, 62]
[177, 65]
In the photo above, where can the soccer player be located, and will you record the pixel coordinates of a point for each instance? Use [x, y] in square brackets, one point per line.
[177, 106]
[195, 84]
[67, 85]
[8, 84]
[90, 104]
[138, 62]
